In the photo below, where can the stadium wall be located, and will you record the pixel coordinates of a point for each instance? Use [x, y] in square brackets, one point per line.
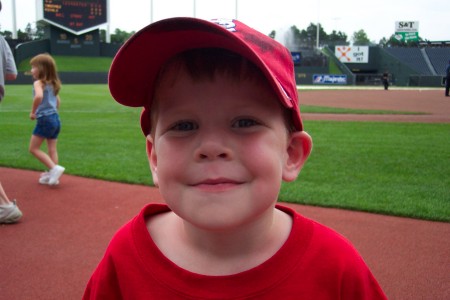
[26, 51]
[68, 78]
[304, 75]
[357, 73]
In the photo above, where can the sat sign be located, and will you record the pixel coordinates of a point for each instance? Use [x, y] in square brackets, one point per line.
[407, 31]
[77, 17]
[407, 26]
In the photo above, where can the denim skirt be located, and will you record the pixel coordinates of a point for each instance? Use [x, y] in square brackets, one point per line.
[48, 126]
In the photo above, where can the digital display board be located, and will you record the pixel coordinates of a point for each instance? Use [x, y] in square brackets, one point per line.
[75, 16]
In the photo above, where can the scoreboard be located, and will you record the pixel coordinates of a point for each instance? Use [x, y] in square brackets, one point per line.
[75, 16]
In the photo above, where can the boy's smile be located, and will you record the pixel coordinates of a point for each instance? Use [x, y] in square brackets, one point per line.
[216, 185]
[219, 148]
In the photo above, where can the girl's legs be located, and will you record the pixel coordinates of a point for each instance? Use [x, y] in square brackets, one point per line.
[52, 152]
[35, 149]
[47, 128]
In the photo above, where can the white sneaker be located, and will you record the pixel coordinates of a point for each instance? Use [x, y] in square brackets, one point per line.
[45, 177]
[55, 173]
[10, 213]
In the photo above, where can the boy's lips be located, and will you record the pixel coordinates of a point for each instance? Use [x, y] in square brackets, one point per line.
[216, 184]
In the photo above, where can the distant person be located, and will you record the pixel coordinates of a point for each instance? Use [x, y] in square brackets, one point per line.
[9, 212]
[385, 80]
[44, 110]
[447, 79]
[223, 130]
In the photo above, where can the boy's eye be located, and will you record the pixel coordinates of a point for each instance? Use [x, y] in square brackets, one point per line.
[243, 123]
[184, 126]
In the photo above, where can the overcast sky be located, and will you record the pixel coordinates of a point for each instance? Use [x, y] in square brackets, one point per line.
[377, 18]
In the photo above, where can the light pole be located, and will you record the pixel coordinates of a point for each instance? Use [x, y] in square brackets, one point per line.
[108, 21]
[151, 11]
[195, 8]
[14, 31]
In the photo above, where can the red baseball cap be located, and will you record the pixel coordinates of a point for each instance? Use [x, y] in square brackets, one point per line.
[137, 63]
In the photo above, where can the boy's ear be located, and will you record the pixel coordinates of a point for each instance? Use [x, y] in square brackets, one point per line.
[152, 160]
[298, 149]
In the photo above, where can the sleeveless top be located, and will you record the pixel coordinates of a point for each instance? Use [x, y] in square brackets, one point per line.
[48, 104]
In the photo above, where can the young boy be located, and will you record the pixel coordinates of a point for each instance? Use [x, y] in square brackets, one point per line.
[223, 130]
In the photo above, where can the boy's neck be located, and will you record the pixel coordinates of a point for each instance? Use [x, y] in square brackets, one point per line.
[221, 253]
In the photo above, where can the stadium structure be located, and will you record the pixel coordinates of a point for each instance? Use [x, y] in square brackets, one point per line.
[72, 28]
[363, 65]
[422, 66]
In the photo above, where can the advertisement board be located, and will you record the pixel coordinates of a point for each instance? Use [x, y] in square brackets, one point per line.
[407, 36]
[329, 79]
[407, 31]
[352, 54]
[407, 26]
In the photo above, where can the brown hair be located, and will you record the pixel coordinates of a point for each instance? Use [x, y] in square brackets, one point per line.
[47, 70]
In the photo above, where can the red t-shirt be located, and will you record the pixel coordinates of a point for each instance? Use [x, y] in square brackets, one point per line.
[314, 263]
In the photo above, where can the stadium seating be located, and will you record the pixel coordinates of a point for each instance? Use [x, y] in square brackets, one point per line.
[412, 57]
[439, 58]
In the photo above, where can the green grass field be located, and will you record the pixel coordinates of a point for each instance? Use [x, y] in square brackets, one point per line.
[389, 168]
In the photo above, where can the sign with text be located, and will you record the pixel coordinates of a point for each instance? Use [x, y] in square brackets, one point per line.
[329, 79]
[66, 43]
[352, 54]
[407, 31]
[75, 16]
[407, 26]
[407, 36]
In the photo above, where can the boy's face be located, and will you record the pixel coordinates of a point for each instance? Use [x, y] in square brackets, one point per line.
[220, 150]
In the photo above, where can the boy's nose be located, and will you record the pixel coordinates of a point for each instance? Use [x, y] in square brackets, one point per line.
[213, 148]
[212, 156]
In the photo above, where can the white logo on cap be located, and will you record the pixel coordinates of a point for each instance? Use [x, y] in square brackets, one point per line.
[228, 24]
[284, 91]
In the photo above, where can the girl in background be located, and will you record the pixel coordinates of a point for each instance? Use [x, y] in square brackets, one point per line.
[45, 107]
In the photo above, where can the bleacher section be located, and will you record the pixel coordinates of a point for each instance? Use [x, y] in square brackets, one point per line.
[412, 57]
[439, 58]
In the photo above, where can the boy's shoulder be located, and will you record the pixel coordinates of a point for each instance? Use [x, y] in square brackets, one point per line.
[320, 240]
